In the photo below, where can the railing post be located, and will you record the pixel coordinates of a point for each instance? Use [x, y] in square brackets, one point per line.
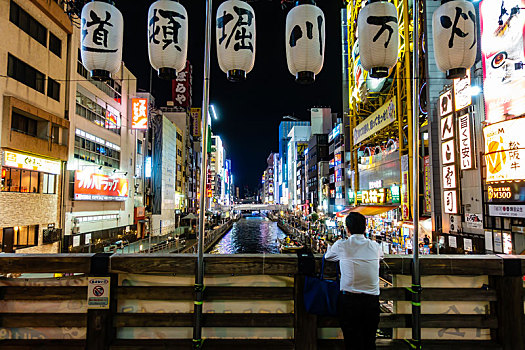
[305, 324]
[509, 306]
[100, 332]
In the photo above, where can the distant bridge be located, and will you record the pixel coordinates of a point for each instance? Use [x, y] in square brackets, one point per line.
[258, 207]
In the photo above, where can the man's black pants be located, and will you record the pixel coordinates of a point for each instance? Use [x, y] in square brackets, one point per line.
[359, 319]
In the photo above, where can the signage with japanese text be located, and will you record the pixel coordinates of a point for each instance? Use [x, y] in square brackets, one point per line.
[505, 150]
[139, 113]
[24, 161]
[449, 176]
[196, 122]
[511, 211]
[98, 292]
[181, 88]
[448, 152]
[100, 187]
[447, 127]
[465, 143]
[381, 118]
[445, 103]
[405, 191]
[428, 184]
[450, 201]
[462, 93]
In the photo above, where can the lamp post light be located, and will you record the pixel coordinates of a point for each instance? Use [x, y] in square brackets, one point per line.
[199, 281]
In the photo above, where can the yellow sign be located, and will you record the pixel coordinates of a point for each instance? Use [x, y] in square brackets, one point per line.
[505, 150]
[381, 118]
[499, 193]
[375, 196]
[24, 161]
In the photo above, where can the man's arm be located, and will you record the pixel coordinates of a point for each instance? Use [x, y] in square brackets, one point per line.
[332, 251]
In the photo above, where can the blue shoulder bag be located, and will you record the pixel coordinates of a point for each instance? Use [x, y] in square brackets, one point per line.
[321, 295]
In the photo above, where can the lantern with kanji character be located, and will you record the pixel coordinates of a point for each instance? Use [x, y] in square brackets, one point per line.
[101, 34]
[235, 32]
[167, 37]
[454, 31]
[305, 41]
[378, 37]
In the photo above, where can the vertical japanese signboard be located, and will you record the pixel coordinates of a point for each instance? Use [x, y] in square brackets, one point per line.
[181, 88]
[405, 191]
[139, 113]
[465, 142]
[196, 122]
[428, 185]
[448, 154]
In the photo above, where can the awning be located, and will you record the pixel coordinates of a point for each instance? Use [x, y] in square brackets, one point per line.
[367, 210]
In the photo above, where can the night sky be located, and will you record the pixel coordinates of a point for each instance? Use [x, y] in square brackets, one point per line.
[249, 112]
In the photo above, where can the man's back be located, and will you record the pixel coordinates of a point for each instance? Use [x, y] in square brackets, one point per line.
[359, 262]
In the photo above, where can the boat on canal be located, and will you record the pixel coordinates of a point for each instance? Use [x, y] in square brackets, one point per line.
[289, 247]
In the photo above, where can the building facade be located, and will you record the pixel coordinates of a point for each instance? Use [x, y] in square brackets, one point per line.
[35, 126]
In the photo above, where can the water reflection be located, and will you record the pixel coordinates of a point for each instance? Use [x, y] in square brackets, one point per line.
[250, 235]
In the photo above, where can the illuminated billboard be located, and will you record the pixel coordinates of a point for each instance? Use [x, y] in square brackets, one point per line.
[24, 161]
[139, 113]
[503, 56]
[504, 150]
[100, 187]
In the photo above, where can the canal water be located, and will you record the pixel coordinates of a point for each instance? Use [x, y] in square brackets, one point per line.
[250, 235]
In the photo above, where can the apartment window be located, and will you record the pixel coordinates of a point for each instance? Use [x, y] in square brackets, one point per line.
[139, 147]
[49, 183]
[179, 153]
[96, 150]
[55, 44]
[27, 23]
[53, 89]
[19, 180]
[23, 124]
[179, 137]
[25, 236]
[25, 74]
[94, 112]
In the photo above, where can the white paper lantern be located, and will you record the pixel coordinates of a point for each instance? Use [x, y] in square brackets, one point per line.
[378, 37]
[455, 44]
[235, 33]
[167, 37]
[101, 34]
[305, 41]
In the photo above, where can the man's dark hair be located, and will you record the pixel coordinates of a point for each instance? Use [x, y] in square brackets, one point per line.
[356, 223]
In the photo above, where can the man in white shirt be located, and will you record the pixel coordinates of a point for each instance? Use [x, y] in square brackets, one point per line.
[358, 305]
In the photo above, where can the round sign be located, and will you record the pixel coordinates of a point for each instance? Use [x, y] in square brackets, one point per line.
[98, 291]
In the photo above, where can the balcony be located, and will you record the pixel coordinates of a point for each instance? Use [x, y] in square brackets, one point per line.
[253, 302]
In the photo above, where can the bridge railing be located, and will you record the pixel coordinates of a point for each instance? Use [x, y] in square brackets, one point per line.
[251, 302]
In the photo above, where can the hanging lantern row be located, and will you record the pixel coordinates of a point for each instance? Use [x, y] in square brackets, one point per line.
[454, 25]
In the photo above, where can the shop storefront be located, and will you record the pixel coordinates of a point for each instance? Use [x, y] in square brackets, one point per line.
[29, 193]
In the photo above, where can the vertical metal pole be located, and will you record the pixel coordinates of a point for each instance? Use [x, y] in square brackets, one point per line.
[199, 283]
[416, 283]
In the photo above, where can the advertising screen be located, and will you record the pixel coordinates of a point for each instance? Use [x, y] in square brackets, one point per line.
[100, 187]
[503, 56]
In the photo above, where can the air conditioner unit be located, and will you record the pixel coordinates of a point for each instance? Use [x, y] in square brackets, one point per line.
[455, 223]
